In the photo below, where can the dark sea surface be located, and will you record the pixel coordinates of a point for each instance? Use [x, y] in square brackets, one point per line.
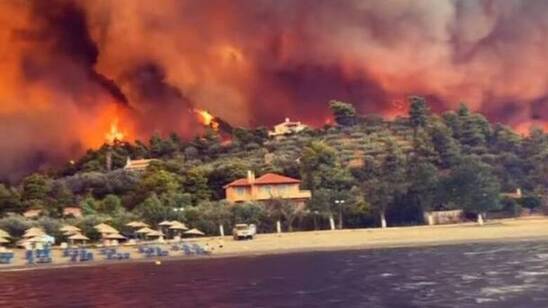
[513, 274]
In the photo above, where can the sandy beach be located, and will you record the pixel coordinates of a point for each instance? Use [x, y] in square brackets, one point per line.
[493, 231]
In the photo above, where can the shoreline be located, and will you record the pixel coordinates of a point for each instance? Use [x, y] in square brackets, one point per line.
[497, 231]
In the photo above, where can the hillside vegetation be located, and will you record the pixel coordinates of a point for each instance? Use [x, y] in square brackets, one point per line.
[395, 169]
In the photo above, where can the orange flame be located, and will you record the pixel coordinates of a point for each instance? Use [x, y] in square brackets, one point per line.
[114, 134]
[207, 119]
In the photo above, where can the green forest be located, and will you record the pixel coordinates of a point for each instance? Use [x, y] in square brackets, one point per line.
[396, 169]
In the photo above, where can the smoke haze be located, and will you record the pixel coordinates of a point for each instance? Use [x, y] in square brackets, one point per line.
[69, 68]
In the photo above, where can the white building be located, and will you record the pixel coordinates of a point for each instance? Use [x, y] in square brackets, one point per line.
[138, 164]
[286, 128]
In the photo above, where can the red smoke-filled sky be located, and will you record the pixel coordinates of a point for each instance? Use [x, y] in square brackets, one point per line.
[70, 68]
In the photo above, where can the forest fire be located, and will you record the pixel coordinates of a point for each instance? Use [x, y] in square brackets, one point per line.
[207, 119]
[74, 59]
[114, 134]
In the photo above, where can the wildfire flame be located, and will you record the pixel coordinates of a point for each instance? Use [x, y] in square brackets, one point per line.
[114, 134]
[207, 119]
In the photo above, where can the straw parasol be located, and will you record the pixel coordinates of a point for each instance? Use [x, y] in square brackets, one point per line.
[178, 226]
[44, 238]
[3, 240]
[114, 236]
[33, 232]
[69, 228]
[78, 237]
[144, 230]
[4, 234]
[137, 224]
[104, 228]
[165, 223]
[154, 233]
[194, 232]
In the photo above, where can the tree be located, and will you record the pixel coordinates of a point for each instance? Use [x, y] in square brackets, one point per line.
[423, 185]
[473, 186]
[152, 210]
[61, 197]
[111, 205]
[195, 183]
[418, 112]
[321, 172]
[9, 200]
[159, 182]
[216, 213]
[446, 146]
[344, 113]
[385, 179]
[250, 213]
[36, 188]
[89, 206]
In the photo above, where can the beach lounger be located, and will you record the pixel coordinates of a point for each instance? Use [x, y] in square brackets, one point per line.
[43, 260]
[199, 250]
[187, 250]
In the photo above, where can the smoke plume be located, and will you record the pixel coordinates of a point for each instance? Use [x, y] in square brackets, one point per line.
[69, 68]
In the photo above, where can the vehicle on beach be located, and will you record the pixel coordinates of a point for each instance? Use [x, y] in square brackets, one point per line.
[244, 232]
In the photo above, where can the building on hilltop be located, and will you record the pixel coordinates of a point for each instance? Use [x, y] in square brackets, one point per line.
[72, 211]
[267, 187]
[33, 213]
[286, 128]
[513, 195]
[137, 164]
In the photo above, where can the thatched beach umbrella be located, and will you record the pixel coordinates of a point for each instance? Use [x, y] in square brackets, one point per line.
[4, 234]
[114, 236]
[137, 224]
[154, 233]
[165, 223]
[105, 229]
[194, 232]
[3, 240]
[178, 226]
[33, 232]
[69, 229]
[78, 237]
[144, 230]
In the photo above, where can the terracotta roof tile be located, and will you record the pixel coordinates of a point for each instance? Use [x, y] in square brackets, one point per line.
[272, 178]
[269, 178]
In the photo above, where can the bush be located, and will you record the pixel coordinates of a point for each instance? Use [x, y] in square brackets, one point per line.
[511, 206]
[15, 225]
[51, 226]
[530, 202]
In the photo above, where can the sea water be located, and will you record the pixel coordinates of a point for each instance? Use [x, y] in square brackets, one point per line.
[513, 274]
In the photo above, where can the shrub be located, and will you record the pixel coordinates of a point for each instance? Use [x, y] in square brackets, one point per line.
[15, 225]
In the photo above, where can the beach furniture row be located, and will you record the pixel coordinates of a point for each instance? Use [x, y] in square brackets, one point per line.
[190, 249]
[5, 257]
[152, 251]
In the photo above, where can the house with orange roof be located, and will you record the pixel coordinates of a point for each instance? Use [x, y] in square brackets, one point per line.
[267, 187]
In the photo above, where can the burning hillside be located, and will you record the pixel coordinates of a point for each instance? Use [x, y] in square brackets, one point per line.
[71, 68]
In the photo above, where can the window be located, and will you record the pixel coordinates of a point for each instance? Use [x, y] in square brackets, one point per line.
[240, 191]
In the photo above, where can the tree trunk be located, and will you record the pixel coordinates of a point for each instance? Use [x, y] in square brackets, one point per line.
[331, 222]
[340, 219]
[222, 230]
[429, 218]
[278, 226]
[383, 220]
[480, 219]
